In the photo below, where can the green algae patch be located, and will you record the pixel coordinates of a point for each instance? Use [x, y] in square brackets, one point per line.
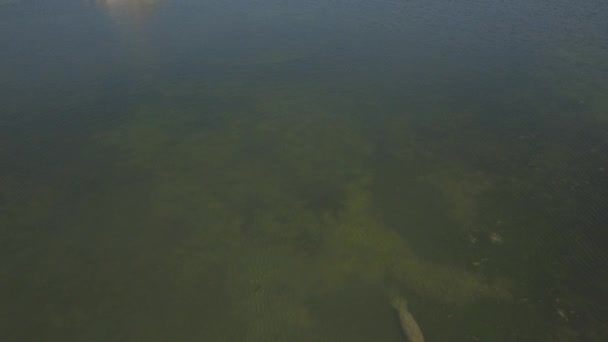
[462, 189]
[278, 195]
[375, 252]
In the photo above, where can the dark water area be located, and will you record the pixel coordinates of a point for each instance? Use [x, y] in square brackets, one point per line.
[284, 170]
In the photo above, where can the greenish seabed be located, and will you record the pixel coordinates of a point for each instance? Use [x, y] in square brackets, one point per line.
[223, 211]
[282, 215]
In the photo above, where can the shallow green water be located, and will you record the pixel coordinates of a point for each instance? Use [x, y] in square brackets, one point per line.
[188, 170]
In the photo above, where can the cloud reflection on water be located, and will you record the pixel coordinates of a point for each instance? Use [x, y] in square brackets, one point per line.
[131, 13]
[133, 21]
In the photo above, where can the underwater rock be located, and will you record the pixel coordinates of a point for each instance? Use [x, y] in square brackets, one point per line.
[496, 238]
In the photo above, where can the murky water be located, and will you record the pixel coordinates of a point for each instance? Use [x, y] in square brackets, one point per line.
[188, 170]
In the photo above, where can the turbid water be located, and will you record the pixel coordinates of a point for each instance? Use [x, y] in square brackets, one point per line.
[189, 170]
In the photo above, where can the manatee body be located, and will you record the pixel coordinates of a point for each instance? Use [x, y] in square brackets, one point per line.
[410, 327]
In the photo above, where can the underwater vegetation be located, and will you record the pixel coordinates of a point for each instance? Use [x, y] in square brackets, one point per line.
[283, 213]
[278, 192]
[278, 171]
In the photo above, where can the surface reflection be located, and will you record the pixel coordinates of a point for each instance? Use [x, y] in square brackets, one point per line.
[133, 21]
[137, 5]
[136, 12]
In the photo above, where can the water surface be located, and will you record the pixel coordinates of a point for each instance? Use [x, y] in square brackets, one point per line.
[188, 170]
